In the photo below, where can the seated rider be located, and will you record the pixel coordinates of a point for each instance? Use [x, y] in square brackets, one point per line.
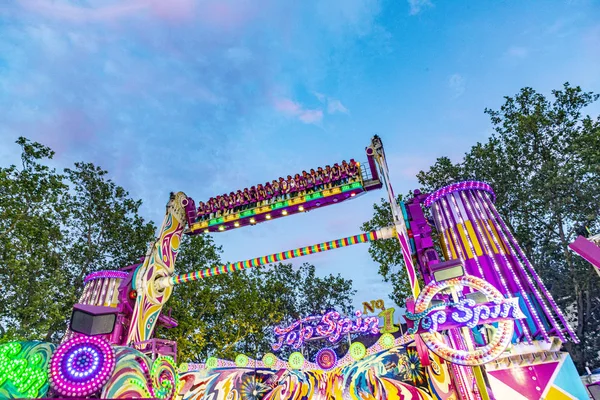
[268, 192]
[247, 199]
[344, 172]
[319, 179]
[284, 187]
[200, 213]
[327, 177]
[335, 174]
[352, 170]
[275, 187]
[309, 182]
[294, 185]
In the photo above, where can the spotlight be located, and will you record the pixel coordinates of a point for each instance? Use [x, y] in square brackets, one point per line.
[221, 228]
[353, 194]
[301, 208]
[236, 224]
[284, 212]
[268, 216]
[252, 220]
[206, 231]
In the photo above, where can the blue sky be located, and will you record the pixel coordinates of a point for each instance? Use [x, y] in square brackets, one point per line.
[215, 95]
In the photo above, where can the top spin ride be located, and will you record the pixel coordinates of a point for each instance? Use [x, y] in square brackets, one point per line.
[484, 310]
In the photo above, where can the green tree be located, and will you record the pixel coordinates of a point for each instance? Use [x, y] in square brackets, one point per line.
[387, 253]
[55, 229]
[543, 161]
[30, 245]
[103, 228]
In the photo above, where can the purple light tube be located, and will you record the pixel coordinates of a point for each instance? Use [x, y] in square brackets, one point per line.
[538, 280]
[457, 187]
[499, 263]
[487, 258]
[105, 275]
[461, 221]
[507, 265]
[470, 265]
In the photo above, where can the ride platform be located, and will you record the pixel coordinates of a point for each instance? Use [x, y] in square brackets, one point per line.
[279, 209]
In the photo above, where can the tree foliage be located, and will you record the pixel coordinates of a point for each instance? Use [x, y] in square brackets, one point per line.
[31, 242]
[388, 254]
[234, 313]
[55, 228]
[543, 161]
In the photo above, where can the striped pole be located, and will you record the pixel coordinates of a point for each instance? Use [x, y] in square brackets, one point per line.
[385, 233]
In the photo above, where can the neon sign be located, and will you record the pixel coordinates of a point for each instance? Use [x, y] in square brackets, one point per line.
[467, 313]
[331, 326]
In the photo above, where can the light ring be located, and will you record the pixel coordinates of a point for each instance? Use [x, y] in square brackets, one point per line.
[481, 355]
[81, 366]
[326, 359]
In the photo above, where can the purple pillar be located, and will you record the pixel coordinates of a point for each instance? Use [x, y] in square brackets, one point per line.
[472, 230]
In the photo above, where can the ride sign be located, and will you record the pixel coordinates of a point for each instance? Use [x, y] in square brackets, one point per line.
[429, 321]
[331, 326]
[468, 313]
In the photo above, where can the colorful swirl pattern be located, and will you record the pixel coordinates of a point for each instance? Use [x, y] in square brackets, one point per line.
[160, 264]
[391, 374]
[24, 369]
[136, 376]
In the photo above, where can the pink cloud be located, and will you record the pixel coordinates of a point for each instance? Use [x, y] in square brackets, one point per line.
[287, 106]
[333, 105]
[311, 116]
[73, 13]
[292, 109]
[213, 12]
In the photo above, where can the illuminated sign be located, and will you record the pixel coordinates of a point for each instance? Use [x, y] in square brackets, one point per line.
[468, 313]
[429, 320]
[386, 313]
[331, 326]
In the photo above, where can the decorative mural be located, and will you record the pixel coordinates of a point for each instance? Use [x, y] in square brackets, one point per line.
[396, 373]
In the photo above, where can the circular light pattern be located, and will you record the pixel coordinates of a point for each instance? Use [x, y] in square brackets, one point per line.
[481, 355]
[326, 359]
[269, 360]
[296, 360]
[211, 362]
[164, 377]
[459, 187]
[81, 366]
[358, 351]
[241, 360]
[387, 340]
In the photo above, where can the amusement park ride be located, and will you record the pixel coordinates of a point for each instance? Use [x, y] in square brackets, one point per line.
[483, 326]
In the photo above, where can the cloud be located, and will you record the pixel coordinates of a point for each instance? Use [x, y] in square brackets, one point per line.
[457, 84]
[416, 6]
[62, 10]
[517, 52]
[291, 108]
[333, 105]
